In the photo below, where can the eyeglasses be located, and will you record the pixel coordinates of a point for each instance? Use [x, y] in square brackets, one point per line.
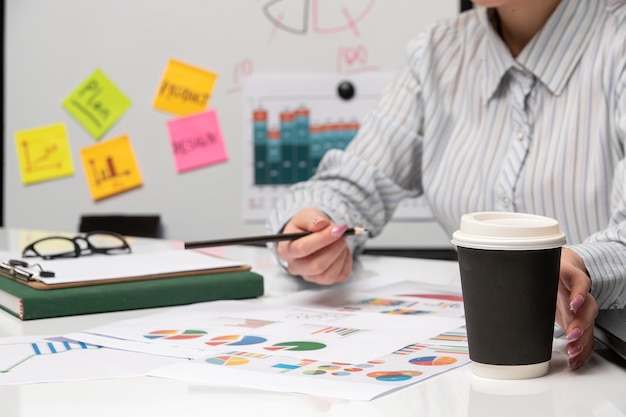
[53, 247]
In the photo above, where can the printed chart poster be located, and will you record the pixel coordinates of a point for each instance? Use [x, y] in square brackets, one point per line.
[111, 167]
[97, 104]
[310, 342]
[44, 153]
[197, 141]
[184, 89]
[291, 121]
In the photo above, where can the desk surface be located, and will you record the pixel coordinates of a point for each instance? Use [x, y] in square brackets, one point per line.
[595, 390]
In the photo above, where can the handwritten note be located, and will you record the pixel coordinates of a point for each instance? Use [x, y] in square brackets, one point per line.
[110, 167]
[44, 153]
[197, 141]
[97, 104]
[184, 89]
[354, 59]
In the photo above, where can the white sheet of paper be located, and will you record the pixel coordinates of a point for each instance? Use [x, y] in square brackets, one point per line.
[364, 381]
[306, 325]
[101, 267]
[33, 359]
[281, 371]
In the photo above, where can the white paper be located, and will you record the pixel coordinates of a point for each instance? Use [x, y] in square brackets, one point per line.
[326, 325]
[101, 267]
[361, 381]
[33, 359]
[336, 342]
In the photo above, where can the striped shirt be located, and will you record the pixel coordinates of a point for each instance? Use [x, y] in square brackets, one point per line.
[473, 128]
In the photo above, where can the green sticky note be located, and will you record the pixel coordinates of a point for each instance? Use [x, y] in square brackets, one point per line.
[97, 104]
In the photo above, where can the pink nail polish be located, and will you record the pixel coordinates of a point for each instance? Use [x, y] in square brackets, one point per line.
[576, 303]
[339, 230]
[317, 220]
[574, 351]
[574, 335]
[577, 364]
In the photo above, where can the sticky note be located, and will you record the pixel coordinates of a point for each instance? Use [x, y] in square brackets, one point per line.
[184, 89]
[44, 153]
[97, 104]
[110, 167]
[197, 141]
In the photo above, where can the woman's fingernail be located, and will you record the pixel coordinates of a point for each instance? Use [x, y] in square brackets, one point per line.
[574, 335]
[317, 220]
[577, 364]
[574, 351]
[339, 230]
[576, 303]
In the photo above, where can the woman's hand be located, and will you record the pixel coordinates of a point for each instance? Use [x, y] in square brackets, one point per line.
[322, 257]
[576, 308]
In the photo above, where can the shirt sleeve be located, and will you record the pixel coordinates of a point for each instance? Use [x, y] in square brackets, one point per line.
[363, 185]
[604, 252]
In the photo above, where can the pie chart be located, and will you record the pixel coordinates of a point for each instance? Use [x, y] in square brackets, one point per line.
[235, 340]
[227, 360]
[433, 360]
[393, 376]
[329, 367]
[314, 372]
[296, 346]
[175, 334]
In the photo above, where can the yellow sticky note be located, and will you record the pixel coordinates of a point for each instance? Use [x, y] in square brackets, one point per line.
[44, 153]
[110, 167]
[184, 89]
[97, 104]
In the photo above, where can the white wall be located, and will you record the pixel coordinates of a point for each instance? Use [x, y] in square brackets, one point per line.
[52, 46]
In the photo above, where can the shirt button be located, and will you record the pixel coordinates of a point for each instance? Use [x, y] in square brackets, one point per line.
[506, 201]
[520, 135]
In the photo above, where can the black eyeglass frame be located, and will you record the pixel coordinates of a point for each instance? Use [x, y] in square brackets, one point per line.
[30, 251]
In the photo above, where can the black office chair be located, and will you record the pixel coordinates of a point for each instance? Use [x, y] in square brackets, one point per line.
[128, 225]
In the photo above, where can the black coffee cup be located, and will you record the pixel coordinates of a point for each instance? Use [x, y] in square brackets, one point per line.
[509, 265]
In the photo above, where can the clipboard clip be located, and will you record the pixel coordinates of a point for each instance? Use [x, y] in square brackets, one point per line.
[24, 271]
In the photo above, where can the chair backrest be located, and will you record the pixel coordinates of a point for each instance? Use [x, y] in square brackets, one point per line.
[128, 225]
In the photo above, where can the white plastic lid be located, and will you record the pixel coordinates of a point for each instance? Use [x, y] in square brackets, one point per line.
[508, 231]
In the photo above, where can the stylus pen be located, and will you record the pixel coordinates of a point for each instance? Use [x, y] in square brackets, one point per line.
[262, 239]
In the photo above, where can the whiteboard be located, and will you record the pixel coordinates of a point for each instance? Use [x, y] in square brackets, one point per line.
[53, 46]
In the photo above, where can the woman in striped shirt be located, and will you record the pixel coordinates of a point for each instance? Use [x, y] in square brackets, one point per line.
[516, 105]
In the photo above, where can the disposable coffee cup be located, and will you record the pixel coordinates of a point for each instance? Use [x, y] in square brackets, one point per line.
[509, 265]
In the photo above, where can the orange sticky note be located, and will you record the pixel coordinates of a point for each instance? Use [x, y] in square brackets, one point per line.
[44, 153]
[184, 89]
[197, 141]
[110, 167]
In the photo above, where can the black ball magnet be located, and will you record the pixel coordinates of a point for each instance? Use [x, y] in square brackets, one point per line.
[346, 90]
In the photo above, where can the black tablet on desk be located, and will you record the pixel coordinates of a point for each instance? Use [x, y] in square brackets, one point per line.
[610, 329]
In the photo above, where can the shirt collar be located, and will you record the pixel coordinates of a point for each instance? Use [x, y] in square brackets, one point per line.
[562, 40]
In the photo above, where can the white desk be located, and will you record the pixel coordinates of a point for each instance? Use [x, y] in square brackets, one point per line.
[598, 389]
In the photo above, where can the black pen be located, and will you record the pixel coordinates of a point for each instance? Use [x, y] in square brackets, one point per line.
[262, 239]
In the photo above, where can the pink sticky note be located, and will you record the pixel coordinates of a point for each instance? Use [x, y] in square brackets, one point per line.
[197, 141]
